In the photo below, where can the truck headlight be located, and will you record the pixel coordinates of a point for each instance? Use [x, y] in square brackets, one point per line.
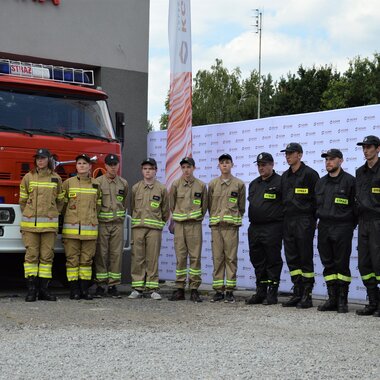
[7, 215]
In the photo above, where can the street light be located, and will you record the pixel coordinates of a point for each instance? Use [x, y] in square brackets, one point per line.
[258, 28]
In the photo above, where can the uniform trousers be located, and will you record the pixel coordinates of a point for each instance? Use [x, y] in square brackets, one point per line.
[334, 246]
[265, 243]
[79, 257]
[224, 244]
[146, 245]
[39, 253]
[188, 243]
[298, 243]
[109, 253]
[369, 251]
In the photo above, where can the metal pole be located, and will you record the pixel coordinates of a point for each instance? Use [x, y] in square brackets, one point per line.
[259, 28]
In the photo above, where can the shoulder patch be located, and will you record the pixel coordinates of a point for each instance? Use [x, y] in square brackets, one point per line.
[54, 180]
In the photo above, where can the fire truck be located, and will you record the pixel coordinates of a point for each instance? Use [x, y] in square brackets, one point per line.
[54, 107]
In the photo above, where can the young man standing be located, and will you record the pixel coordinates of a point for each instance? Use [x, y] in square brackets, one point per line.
[298, 183]
[368, 198]
[109, 252]
[188, 204]
[335, 194]
[265, 231]
[226, 205]
[150, 211]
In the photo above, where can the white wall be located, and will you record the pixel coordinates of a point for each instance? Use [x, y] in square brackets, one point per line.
[316, 132]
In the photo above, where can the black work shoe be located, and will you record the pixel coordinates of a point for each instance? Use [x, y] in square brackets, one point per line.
[367, 310]
[113, 292]
[74, 290]
[230, 298]
[329, 305]
[295, 298]
[99, 292]
[218, 296]
[255, 299]
[306, 301]
[272, 296]
[178, 295]
[194, 296]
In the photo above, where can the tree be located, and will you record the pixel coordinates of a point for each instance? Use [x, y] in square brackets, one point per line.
[149, 126]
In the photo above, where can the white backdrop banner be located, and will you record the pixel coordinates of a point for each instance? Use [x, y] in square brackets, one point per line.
[316, 132]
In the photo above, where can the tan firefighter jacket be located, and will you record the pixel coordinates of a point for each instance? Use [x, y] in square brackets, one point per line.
[149, 205]
[188, 200]
[41, 201]
[114, 199]
[82, 203]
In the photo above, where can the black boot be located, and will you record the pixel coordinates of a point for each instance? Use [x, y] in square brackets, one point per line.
[259, 297]
[44, 294]
[178, 295]
[306, 300]
[331, 303]
[373, 298]
[342, 298]
[377, 312]
[271, 298]
[84, 285]
[296, 297]
[31, 283]
[74, 290]
[194, 296]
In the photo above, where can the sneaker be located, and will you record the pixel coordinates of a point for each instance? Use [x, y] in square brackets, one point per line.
[194, 296]
[113, 292]
[218, 296]
[99, 292]
[230, 298]
[155, 296]
[135, 294]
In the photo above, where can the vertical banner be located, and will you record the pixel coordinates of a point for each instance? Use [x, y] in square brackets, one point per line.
[179, 138]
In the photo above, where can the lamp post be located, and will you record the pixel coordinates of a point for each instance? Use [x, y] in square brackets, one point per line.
[258, 29]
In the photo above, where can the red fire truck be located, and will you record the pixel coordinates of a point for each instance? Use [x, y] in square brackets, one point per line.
[46, 106]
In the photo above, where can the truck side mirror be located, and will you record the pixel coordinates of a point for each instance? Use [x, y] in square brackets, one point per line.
[120, 127]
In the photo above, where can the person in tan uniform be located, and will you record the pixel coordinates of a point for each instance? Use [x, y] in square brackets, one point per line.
[41, 201]
[226, 205]
[108, 257]
[150, 211]
[80, 227]
[188, 204]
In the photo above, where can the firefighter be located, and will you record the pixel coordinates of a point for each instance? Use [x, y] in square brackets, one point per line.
[80, 227]
[265, 231]
[335, 194]
[41, 201]
[298, 183]
[226, 205]
[188, 204]
[368, 198]
[108, 257]
[150, 211]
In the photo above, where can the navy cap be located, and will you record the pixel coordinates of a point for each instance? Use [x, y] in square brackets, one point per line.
[150, 161]
[334, 153]
[42, 152]
[370, 140]
[187, 160]
[84, 156]
[111, 159]
[293, 147]
[225, 156]
[264, 157]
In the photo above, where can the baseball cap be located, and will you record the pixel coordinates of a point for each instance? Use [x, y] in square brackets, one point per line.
[335, 153]
[264, 157]
[84, 156]
[225, 156]
[111, 159]
[370, 140]
[293, 147]
[187, 160]
[42, 152]
[150, 161]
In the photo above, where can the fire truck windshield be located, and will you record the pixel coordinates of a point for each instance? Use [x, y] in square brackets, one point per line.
[56, 114]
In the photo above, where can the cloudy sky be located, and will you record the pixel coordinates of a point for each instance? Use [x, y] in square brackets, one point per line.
[294, 32]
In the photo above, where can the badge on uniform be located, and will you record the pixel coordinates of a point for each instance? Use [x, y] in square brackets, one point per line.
[234, 194]
[156, 197]
[95, 185]
[197, 195]
[121, 192]
[54, 180]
